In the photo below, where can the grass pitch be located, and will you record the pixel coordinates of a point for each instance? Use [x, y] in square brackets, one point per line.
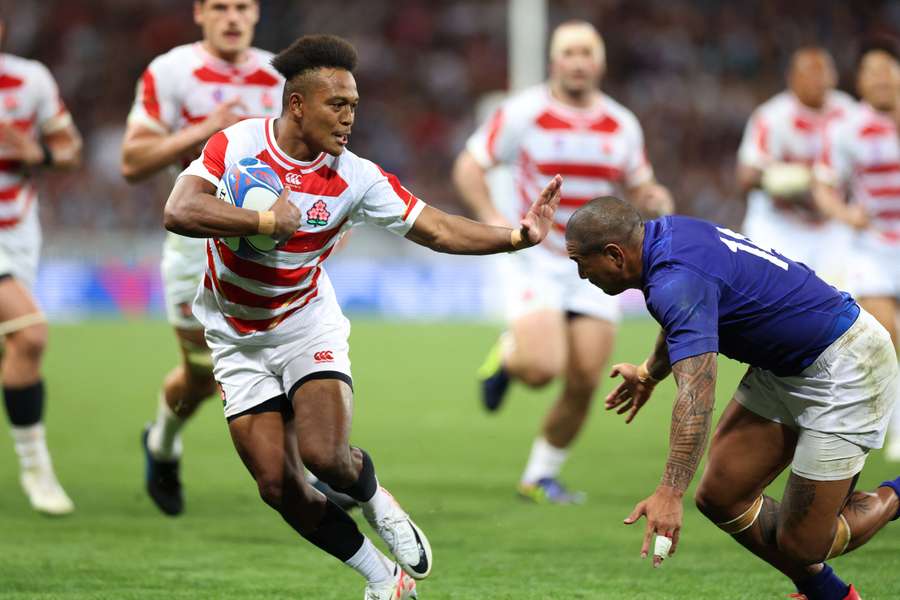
[452, 466]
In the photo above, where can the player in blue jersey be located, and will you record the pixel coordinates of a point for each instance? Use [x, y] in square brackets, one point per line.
[817, 396]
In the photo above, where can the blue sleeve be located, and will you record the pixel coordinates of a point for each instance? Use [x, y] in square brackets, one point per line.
[687, 307]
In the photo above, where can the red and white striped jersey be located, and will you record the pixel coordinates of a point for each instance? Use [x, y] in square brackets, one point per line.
[783, 130]
[30, 102]
[597, 150]
[861, 155]
[260, 301]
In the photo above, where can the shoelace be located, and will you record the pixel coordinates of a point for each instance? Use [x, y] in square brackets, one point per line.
[401, 536]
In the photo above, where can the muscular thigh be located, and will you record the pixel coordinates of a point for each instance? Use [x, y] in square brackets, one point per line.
[540, 340]
[746, 454]
[263, 442]
[809, 511]
[15, 300]
[590, 343]
[323, 411]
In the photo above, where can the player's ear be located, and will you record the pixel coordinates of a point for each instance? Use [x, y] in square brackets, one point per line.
[198, 12]
[295, 104]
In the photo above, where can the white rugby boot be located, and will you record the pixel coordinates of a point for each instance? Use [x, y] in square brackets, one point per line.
[406, 541]
[44, 492]
[400, 587]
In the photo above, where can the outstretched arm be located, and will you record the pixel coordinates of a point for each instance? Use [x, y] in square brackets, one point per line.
[638, 381]
[691, 424]
[453, 234]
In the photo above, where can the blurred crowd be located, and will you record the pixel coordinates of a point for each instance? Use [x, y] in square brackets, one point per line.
[691, 70]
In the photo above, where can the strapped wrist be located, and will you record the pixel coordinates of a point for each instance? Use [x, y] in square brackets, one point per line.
[644, 376]
[266, 222]
[517, 240]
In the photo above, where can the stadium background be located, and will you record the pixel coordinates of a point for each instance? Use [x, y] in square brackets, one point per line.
[692, 71]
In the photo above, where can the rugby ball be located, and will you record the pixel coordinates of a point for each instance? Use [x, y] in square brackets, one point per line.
[250, 183]
[786, 180]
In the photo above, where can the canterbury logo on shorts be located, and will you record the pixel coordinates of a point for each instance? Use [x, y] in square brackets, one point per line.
[323, 356]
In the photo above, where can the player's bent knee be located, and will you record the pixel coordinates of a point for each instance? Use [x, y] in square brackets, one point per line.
[29, 343]
[799, 548]
[271, 490]
[335, 467]
[540, 374]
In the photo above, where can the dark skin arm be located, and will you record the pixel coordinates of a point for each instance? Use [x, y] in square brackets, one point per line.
[637, 385]
[192, 210]
[691, 423]
[453, 234]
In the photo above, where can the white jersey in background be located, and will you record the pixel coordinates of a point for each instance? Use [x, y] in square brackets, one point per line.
[784, 131]
[862, 156]
[30, 102]
[180, 88]
[598, 151]
[274, 299]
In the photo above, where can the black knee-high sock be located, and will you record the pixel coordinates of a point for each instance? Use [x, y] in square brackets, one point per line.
[337, 534]
[24, 405]
[366, 486]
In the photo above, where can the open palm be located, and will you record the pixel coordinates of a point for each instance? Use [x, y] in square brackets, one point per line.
[537, 222]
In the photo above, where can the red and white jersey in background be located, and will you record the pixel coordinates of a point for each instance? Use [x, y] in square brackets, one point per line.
[783, 130]
[184, 85]
[261, 301]
[30, 102]
[861, 155]
[598, 151]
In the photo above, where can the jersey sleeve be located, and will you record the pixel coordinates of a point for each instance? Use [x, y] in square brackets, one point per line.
[637, 168]
[51, 112]
[755, 148]
[210, 165]
[155, 103]
[497, 140]
[687, 307]
[834, 165]
[387, 204]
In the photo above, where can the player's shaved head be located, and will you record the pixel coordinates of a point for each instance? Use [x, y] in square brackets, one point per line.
[299, 62]
[811, 75]
[577, 32]
[603, 221]
[577, 61]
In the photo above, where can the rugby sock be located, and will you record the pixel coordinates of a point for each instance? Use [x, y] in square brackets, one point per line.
[25, 409]
[824, 585]
[366, 486]
[337, 534]
[371, 563]
[163, 439]
[24, 405]
[545, 461]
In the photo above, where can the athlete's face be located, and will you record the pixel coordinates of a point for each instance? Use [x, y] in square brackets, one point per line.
[227, 24]
[606, 269]
[577, 65]
[879, 80]
[327, 109]
[812, 76]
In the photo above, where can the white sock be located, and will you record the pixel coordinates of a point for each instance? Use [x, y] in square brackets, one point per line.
[545, 461]
[31, 446]
[371, 563]
[380, 504]
[163, 440]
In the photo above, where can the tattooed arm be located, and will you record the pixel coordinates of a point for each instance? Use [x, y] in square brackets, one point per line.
[691, 423]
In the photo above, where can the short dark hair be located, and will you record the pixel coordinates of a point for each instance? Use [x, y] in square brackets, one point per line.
[879, 43]
[312, 52]
[604, 220]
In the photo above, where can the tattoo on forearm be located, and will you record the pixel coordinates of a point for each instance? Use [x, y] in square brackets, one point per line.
[691, 418]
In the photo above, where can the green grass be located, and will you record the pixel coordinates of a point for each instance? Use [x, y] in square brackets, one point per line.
[452, 467]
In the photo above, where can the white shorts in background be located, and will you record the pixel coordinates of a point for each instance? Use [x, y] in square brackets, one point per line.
[841, 404]
[20, 248]
[874, 268]
[249, 375]
[821, 247]
[183, 266]
[533, 283]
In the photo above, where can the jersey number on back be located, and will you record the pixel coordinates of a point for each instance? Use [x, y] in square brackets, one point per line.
[743, 244]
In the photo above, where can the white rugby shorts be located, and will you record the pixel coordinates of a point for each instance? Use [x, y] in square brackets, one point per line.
[874, 269]
[250, 375]
[20, 248]
[182, 268]
[840, 405]
[534, 282]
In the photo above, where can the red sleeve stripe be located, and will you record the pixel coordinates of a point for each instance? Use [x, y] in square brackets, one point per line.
[606, 172]
[214, 154]
[260, 273]
[303, 241]
[148, 95]
[404, 194]
[493, 131]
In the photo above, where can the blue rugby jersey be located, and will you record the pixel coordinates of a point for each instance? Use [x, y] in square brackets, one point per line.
[714, 290]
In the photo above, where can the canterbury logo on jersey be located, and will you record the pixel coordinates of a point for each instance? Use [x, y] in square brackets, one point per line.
[323, 356]
[293, 178]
